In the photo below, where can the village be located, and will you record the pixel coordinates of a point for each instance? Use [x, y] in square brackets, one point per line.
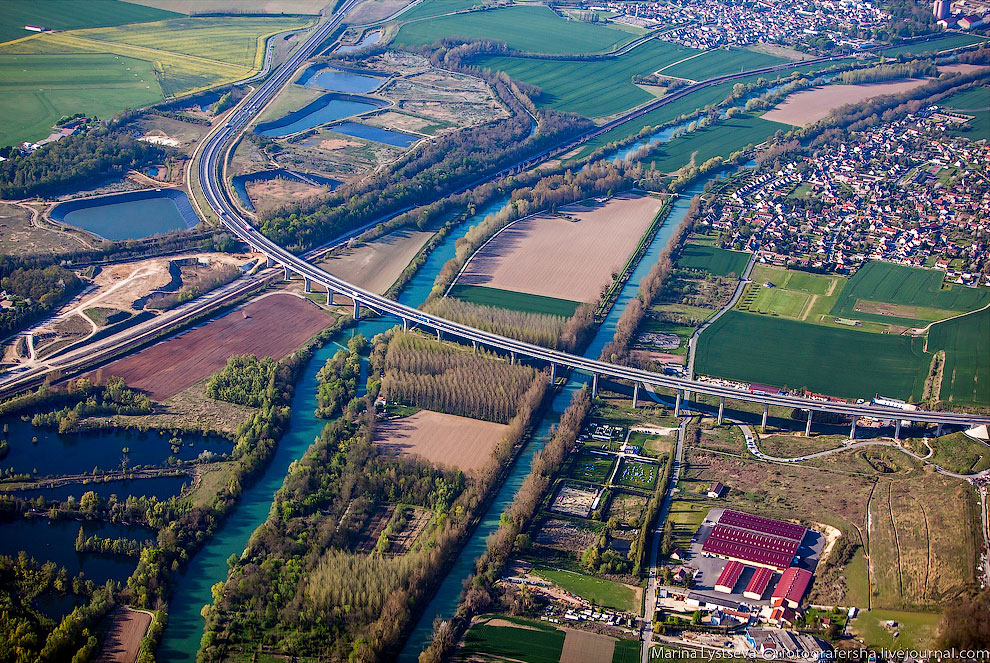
[907, 192]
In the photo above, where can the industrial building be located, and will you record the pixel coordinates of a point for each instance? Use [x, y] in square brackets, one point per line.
[754, 540]
[758, 584]
[729, 577]
[791, 588]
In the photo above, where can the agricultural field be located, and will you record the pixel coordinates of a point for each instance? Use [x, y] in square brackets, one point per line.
[258, 328]
[445, 439]
[884, 292]
[124, 633]
[36, 90]
[719, 139]
[966, 343]
[955, 40]
[607, 593]
[639, 475]
[627, 508]
[517, 640]
[533, 29]
[312, 7]
[429, 8]
[592, 467]
[719, 62]
[375, 265]
[590, 88]
[972, 102]
[809, 106]
[571, 255]
[713, 260]
[786, 353]
[515, 301]
[71, 15]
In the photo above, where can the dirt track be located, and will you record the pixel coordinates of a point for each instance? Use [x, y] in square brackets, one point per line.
[564, 258]
[272, 326]
[444, 439]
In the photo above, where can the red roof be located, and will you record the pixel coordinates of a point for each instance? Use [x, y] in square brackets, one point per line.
[717, 546]
[759, 582]
[730, 575]
[792, 586]
[761, 524]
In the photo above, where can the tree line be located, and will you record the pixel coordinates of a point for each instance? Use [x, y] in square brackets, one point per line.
[115, 546]
[76, 161]
[112, 398]
[301, 589]
[35, 292]
[889, 72]
[339, 377]
[435, 376]
[245, 380]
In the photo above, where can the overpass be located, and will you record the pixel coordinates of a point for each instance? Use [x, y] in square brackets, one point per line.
[211, 180]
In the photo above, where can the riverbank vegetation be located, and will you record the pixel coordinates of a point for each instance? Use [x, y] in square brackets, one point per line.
[337, 570]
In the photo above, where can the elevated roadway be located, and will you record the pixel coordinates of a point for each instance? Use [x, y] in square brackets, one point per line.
[211, 181]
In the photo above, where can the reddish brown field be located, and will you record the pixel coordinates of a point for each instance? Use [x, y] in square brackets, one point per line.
[124, 636]
[272, 326]
[584, 647]
[568, 256]
[443, 439]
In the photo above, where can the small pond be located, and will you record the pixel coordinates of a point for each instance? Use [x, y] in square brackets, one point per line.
[131, 215]
[339, 80]
[396, 138]
[369, 39]
[329, 107]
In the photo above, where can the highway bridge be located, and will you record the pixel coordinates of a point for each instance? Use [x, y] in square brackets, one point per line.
[210, 171]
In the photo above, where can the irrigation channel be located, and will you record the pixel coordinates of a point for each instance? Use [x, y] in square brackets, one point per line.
[192, 590]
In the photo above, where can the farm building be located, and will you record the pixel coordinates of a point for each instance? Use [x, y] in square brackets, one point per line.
[791, 588]
[758, 584]
[729, 577]
[716, 490]
[754, 540]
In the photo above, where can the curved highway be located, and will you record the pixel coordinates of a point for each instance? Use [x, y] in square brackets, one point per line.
[211, 181]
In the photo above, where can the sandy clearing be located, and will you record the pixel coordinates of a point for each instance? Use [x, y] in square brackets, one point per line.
[559, 257]
[271, 193]
[809, 106]
[584, 647]
[506, 623]
[376, 265]
[259, 328]
[331, 144]
[123, 638]
[444, 439]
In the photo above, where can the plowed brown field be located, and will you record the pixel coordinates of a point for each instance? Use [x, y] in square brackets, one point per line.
[272, 326]
[444, 439]
[123, 638]
[570, 256]
[809, 106]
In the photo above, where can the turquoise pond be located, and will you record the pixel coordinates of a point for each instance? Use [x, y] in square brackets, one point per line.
[339, 80]
[132, 215]
[376, 134]
[327, 108]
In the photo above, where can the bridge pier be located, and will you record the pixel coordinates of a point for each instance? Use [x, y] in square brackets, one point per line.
[553, 373]
[309, 284]
[938, 431]
[512, 357]
[439, 334]
[329, 297]
[897, 431]
[766, 413]
[269, 262]
[635, 394]
[677, 403]
[357, 309]
[721, 409]
[405, 324]
[288, 274]
[594, 385]
[474, 346]
[807, 428]
[852, 430]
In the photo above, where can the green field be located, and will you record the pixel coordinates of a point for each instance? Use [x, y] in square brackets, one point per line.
[720, 139]
[793, 279]
[592, 88]
[786, 353]
[627, 651]
[429, 8]
[638, 475]
[795, 294]
[917, 295]
[966, 342]
[934, 45]
[958, 453]
[915, 629]
[37, 90]
[71, 14]
[720, 62]
[713, 260]
[533, 642]
[516, 301]
[593, 468]
[603, 592]
[977, 98]
[776, 301]
[528, 29]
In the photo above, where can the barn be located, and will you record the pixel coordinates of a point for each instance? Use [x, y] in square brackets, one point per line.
[754, 540]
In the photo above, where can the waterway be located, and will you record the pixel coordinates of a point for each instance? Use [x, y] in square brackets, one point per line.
[339, 80]
[55, 540]
[132, 215]
[327, 108]
[377, 134]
